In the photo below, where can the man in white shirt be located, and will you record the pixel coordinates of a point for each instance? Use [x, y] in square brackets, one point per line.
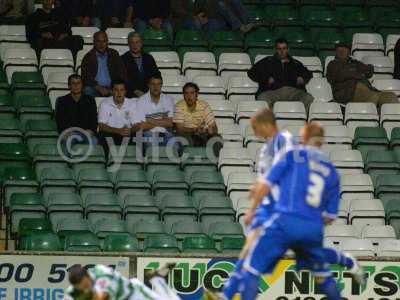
[118, 116]
[157, 111]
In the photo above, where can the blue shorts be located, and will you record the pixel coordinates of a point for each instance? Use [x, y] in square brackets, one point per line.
[262, 214]
[282, 232]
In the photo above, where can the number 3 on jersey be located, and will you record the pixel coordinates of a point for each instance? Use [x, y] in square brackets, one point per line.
[315, 189]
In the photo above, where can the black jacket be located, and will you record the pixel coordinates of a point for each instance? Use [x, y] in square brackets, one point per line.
[284, 74]
[138, 80]
[40, 22]
[82, 114]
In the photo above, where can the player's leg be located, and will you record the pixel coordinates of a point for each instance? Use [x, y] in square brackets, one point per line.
[269, 246]
[328, 286]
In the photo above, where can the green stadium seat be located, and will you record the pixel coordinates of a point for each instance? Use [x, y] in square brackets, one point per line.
[82, 242]
[344, 3]
[182, 229]
[198, 244]
[143, 229]
[213, 210]
[196, 156]
[300, 42]
[327, 40]
[70, 226]
[182, 51]
[354, 17]
[177, 208]
[381, 161]
[40, 128]
[27, 80]
[392, 209]
[190, 38]
[225, 39]
[64, 205]
[10, 131]
[120, 242]
[160, 243]
[94, 153]
[139, 208]
[33, 105]
[206, 181]
[219, 230]
[257, 15]
[370, 138]
[157, 38]
[59, 180]
[94, 180]
[168, 181]
[319, 18]
[7, 109]
[43, 241]
[28, 226]
[18, 180]
[102, 206]
[33, 142]
[25, 205]
[285, 16]
[387, 184]
[128, 181]
[103, 227]
[3, 80]
[14, 152]
[132, 156]
[231, 244]
[395, 138]
[219, 50]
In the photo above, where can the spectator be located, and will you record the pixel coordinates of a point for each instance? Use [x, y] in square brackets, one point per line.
[157, 111]
[349, 80]
[206, 16]
[80, 12]
[396, 74]
[193, 118]
[14, 11]
[100, 67]
[47, 28]
[77, 110]
[139, 66]
[182, 15]
[281, 77]
[152, 13]
[118, 116]
[235, 14]
[115, 13]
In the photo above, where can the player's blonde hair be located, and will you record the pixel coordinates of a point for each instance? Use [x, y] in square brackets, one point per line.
[314, 134]
[264, 116]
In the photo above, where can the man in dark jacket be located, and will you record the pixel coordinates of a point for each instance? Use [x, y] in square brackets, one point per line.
[47, 28]
[140, 66]
[100, 67]
[396, 74]
[281, 77]
[77, 110]
[349, 80]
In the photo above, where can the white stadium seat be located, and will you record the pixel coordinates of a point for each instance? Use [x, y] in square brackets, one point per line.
[86, 33]
[230, 132]
[259, 57]
[233, 64]
[391, 41]
[167, 61]
[388, 85]
[357, 185]
[14, 46]
[383, 66]
[57, 86]
[361, 115]
[377, 234]
[12, 33]
[288, 110]
[79, 57]
[19, 60]
[328, 148]
[312, 63]
[173, 84]
[328, 59]
[358, 247]
[326, 113]
[340, 233]
[55, 60]
[241, 88]
[337, 134]
[320, 89]
[223, 109]
[199, 63]
[118, 36]
[349, 161]
[367, 44]
[390, 117]
[212, 86]
[366, 212]
[246, 109]
[389, 248]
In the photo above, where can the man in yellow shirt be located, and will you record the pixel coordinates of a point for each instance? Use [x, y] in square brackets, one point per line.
[193, 118]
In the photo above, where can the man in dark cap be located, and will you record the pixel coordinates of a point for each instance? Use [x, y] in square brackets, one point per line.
[349, 80]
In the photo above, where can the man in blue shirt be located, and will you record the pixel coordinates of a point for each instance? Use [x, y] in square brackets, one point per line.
[311, 199]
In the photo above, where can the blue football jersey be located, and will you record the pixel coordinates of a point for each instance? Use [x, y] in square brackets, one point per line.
[281, 142]
[310, 182]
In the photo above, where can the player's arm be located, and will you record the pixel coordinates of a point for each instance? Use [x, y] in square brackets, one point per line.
[332, 196]
[100, 296]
